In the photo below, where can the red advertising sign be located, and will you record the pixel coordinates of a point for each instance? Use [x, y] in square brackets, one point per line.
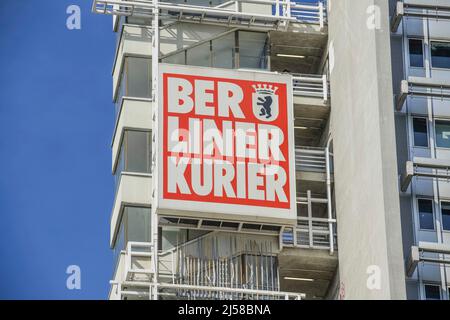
[225, 142]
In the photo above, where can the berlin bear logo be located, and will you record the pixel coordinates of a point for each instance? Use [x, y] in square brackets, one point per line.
[265, 102]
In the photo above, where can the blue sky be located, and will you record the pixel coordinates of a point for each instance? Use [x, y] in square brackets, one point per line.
[56, 121]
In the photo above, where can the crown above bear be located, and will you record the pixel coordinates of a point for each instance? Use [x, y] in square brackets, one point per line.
[265, 88]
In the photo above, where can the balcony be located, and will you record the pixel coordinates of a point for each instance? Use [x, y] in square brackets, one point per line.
[427, 168]
[423, 9]
[311, 107]
[305, 270]
[422, 87]
[252, 14]
[313, 165]
[134, 265]
[183, 275]
[427, 252]
[134, 189]
[134, 41]
[133, 113]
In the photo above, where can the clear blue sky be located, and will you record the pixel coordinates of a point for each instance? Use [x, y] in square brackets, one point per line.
[56, 121]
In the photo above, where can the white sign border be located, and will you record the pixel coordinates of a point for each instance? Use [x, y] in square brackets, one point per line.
[214, 210]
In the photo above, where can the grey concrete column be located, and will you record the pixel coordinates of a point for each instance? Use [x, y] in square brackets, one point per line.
[366, 177]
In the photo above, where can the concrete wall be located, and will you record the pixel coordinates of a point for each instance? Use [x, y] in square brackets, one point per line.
[366, 176]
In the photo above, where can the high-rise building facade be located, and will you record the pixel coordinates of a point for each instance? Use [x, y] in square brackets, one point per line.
[322, 166]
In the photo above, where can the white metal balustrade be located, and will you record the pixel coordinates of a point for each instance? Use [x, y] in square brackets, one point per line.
[207, 279]
[309, 85]
[271, 14]
[312, 231]
[312, 159]
[415, 9]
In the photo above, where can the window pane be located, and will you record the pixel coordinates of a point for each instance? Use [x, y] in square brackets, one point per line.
[440, 55]
[199, 55]
[120, 242]
[420, 132]
[445, 208]
[138, 151]
[442, 133]
[432, 292]
[172, 237]
[415, 53]
[138, 224]
[426, 214]
[120, 165]
[139, 77]
[252, 50]
[223, 51]
[178, 58]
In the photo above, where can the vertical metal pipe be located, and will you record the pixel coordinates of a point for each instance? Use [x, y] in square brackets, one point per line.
[155, 90]
[310, 228]
[329, 201]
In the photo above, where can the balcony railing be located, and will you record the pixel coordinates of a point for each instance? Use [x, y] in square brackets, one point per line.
[308, 85]
[314, 233]
[312, 159]
[425, 168]
[415, 9]
[269, 14]
[422, 87]
[138, 279]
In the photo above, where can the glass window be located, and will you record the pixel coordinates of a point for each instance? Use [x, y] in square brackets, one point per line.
[223, 51]
[440, 54]
[135, 225]
[445, 209]
[252, 50]
[442, 133]
[420, 132]
[138, 154]
[432, 292]
[426, 219]
[139, 77]
[119, 244]
[199, 55]
[138, 224]
[177, 58]
[416, 53]
[135, 153]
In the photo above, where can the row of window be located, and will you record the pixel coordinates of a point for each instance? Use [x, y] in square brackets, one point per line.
[426, 214]
[439, 53]
[442, 132]
[239, 49]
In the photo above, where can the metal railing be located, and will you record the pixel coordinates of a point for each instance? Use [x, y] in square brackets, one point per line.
[312, 233]
[138, 250]
[311, 159]
[310, 85]
[424, 10]
[194, 292]
[138, 278]
[230, 12]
